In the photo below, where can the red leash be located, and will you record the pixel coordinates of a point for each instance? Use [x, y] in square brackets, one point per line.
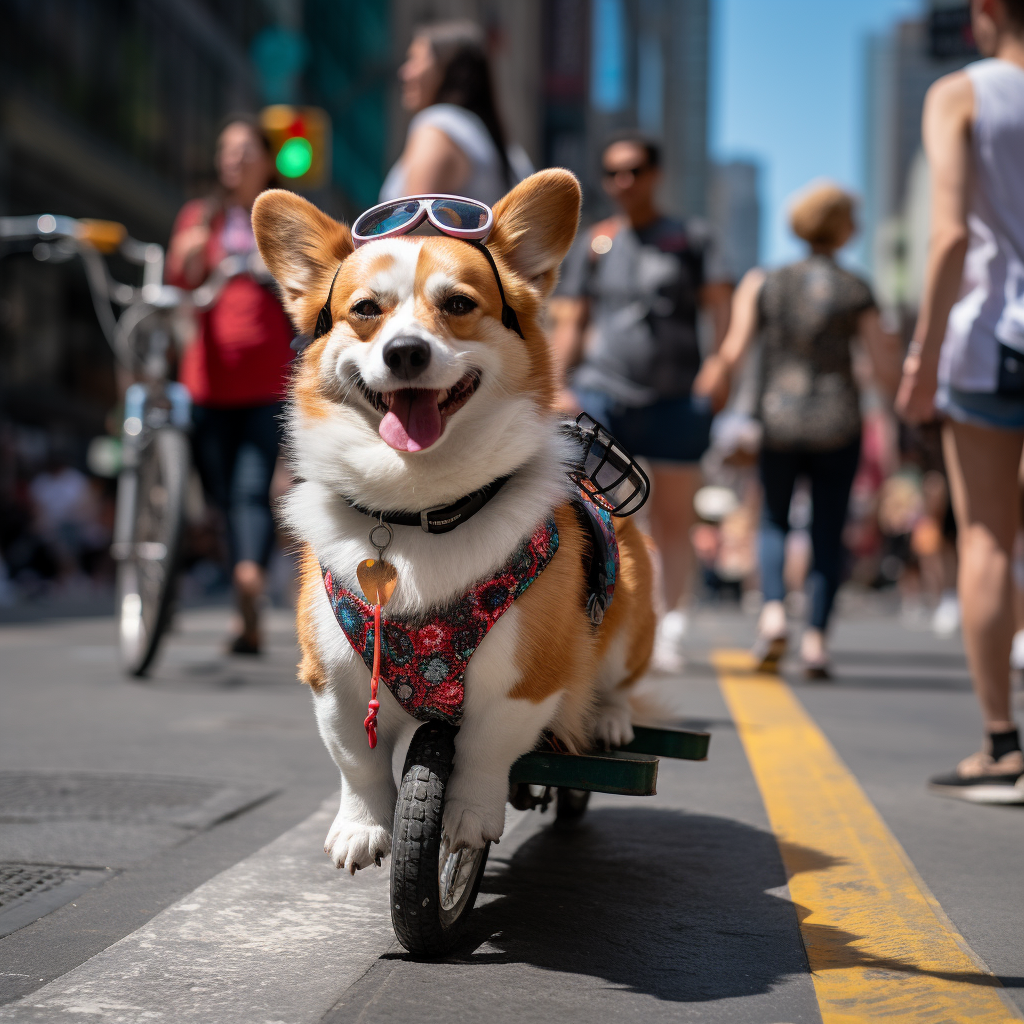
[370, 723]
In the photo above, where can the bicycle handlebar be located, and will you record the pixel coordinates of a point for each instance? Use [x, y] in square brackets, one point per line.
[92, 239]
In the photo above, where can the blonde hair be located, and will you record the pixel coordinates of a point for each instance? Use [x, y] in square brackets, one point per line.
[822, 214]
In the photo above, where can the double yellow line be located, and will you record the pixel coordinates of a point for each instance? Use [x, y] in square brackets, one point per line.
[880, 947]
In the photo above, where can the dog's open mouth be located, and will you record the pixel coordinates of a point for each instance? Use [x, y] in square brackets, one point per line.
[414, 418]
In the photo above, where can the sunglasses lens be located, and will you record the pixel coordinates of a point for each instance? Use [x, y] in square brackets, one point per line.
[389, 218]
[458, 214]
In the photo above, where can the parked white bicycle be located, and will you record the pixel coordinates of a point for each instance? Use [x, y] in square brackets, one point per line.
[155, 320]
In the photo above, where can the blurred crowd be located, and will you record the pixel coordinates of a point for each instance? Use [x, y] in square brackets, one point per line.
[56, 518]
[57, 498]
[899, 536]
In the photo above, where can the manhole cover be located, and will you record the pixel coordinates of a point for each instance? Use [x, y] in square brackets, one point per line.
[64, 796]
[31, 891]
[62, 832]
[20, 880]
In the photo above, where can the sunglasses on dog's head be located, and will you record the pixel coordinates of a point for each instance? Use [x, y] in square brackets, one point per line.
[610, 477]
[454, 216]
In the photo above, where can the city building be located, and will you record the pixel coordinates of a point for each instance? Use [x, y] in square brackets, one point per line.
[611, 64]
[734, 212]
[900, 67]
[111, 109]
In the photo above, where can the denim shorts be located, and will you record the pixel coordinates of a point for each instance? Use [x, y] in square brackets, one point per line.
[981, 408]
[670, 430]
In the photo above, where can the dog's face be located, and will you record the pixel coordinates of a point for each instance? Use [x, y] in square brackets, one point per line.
[418, 393]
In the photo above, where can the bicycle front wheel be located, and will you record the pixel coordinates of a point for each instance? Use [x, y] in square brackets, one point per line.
[151, 498]
[433, 888]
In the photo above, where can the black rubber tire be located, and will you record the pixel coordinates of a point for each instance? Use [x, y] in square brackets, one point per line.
[420, 924]
[146, 586]
[571, 804]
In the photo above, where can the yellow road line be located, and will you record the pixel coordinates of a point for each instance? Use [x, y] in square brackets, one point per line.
[879, 946]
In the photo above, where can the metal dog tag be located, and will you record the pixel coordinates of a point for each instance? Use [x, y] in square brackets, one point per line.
[377, 580]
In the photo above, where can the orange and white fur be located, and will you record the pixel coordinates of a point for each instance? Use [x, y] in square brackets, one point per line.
[542, 665]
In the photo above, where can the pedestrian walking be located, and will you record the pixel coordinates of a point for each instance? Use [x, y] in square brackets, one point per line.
[625, 337]
[236, 369]
[455, 144]
[805, 317]
[966, 363]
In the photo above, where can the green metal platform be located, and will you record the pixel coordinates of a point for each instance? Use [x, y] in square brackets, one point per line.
[631, 771]
[611, 771]
[677, 743]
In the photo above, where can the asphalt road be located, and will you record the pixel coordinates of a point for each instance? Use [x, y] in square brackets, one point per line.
[176, 827]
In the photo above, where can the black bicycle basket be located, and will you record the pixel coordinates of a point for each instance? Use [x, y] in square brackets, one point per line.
[609, 475]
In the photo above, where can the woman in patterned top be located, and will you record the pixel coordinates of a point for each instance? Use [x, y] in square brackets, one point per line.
[805, 317]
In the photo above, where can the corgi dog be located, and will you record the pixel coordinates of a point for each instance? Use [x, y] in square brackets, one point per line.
[414, 396]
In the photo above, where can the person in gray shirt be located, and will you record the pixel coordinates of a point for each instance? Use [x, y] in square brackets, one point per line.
[625, 336]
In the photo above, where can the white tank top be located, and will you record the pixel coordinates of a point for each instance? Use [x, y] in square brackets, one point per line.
[990, 306]
[486, 179]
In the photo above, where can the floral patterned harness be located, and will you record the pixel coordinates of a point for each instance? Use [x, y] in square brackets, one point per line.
[424, 664]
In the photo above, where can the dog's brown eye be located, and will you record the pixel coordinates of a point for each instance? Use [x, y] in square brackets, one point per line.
[459, 305]
[366, 309]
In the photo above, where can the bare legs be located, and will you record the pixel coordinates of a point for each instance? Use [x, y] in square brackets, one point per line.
[982, 465]
[249, 580]
[672, 517]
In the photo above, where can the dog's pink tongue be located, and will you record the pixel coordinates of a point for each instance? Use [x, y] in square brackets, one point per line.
[413, 420]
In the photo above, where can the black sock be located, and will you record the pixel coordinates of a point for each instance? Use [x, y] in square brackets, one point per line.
[1004, 742]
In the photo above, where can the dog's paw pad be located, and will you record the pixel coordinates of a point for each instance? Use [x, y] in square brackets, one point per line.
[613, 727]
[352, 845]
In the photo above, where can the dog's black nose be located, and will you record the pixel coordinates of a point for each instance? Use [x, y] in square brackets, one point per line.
[407, 357]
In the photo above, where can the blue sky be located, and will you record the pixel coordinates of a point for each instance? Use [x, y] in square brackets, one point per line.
[787, 90]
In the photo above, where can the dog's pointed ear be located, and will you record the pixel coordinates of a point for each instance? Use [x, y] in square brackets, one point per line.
[534, 225]
[302, 247]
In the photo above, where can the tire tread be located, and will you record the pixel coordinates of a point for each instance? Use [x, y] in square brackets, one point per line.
[419, 811]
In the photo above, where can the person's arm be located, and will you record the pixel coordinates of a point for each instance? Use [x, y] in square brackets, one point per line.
[569, 311]
[433, 163]
[716, 299]
[946, 127]
[884, 349]
[568, 321]
[186, 254]
[715, 374]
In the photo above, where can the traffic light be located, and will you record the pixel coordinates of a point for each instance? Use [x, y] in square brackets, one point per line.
[301, 140]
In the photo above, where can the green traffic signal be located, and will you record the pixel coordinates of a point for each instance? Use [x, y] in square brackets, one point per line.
[295, 157]
[300, 139]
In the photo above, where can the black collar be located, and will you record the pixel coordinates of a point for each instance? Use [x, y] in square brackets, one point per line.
[443, 518]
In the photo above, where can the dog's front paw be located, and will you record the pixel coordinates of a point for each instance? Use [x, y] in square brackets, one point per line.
[353, 845]
[613, 727]
[472, 825]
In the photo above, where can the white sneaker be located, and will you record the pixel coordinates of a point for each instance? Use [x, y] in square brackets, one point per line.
[946, 620]
[673, 626]
[667, 657]
[1017, 651]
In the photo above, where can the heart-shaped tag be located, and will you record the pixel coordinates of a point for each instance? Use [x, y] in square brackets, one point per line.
[377, 580]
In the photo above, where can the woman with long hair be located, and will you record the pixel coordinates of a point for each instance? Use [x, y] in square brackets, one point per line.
[806, 317]
[236, 369]
[455, 143]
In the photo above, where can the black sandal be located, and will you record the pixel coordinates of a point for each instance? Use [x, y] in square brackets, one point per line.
[768, 652]
[243, 645]
[818, 670]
